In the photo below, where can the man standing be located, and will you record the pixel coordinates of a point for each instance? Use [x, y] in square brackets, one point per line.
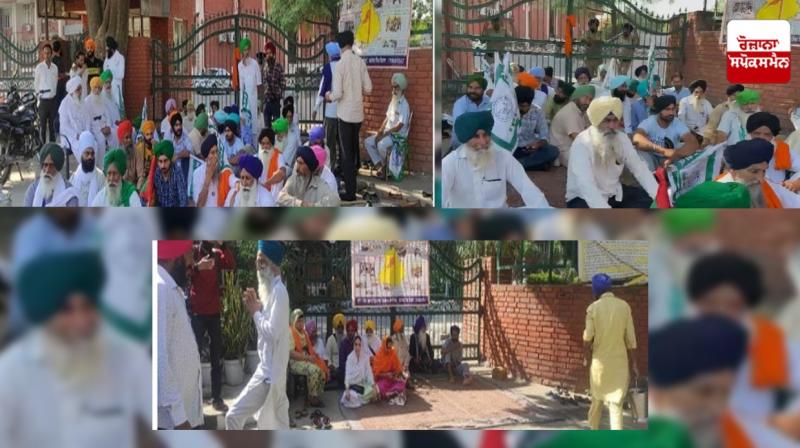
[88, 179]
[167, 185]
[249, 80]
[79, 69]
[204, 302]
[784, 167]
[473, 101]
[495, 35]
[306, 188]
[475, 175]
[657, 137]
[733, 124]
[610, 340]
[94, 65]
[100, 123]
[266, 390]
[45, 82]
[181, 143]
[627, 41]
[597, 159]
[248, 192]
[350, 83]
[570, 121]
[594, 45]
[180, 388]
[275, 84]
[333, 343]
[50, 189]
[747, 163]
[695, 109]
[117, 191]
[115, 63]
[397, 121]
[331, 120]
[533, 151]
[72, 118]
[710, 131]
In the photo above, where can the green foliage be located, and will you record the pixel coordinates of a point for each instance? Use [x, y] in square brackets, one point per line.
[237, 325]
[565, 276]
[245, 252]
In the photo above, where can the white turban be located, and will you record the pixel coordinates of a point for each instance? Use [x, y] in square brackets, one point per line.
[85, 142]
[73, 84]
[601, 107]
[401, 81]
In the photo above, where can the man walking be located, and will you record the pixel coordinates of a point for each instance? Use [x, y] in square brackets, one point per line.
[45, 82]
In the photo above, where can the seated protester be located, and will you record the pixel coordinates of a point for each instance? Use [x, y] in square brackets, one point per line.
[346, 346]
[712, 194]
[641, 72]
[112, 105]
[304, 361]
[167, 186]
[539, 74]
[181, 143]
[619, 89]
[784, 167]
[657, 138]
[270, 156]
[293, 134]
[117, 192]
[125, 132]
[144, 154]
[421, 350]
[248, 192]
[533, 152]
[398, 116]
[306, 188]
[333, 343]
[599, 81]
[453, 357]
[324, 171]
[230, 145]
[388, 373]
[246, 126]
[570, 121]
[97, 117]
[597, 159]
[558, 100]
[318, 344]
[733, 124]
[582, 76]
[199, 132]
[212, 181]
[729, 285]
[219, 119]
[88, 179]
[316, 136]
[475, 175]
[50, 189]
[528, 80]
[747, 163]
[285, 143]
[474, 100]
[677, 90]
[170, 108]
[641, 107]
[359, 382]
[695, 109]
[371, 340]
[400, 343]
[710, 131]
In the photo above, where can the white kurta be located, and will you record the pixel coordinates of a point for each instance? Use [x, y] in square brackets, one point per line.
[87, 184]
[180, 389]
[358, 372]
[263, 198]
[249, 80]
[97, 114]
[696, 120]
[596, 184]
[42, 410]
[464, 186]
[116, 64]
[272, 326]
[787, 198]
[100, 200]
[778, 176]
[72, 121]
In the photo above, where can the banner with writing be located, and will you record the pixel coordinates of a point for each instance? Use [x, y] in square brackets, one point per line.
[763, 10]
[703, 166]
[382, 29]
[621, 260]
[390, 273]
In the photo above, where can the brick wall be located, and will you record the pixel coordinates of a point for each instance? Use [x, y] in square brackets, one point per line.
[704, 58]
[138, 74]
[535, 331]
[419, 95]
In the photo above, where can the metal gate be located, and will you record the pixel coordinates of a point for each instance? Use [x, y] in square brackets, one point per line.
[198, 66]
[18, 60]
[539, 33]
[318, 274]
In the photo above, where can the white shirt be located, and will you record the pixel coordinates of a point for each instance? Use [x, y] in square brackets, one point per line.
[464, 186]
[731, 126]
[72, 120]
[263, 198]
[596, 184]
[272, 326]
[97, 117]
[45, 80]
[198, 179]
[350, 83]
[695, 120]
[778, 176]
[787, 198]
[627, 115]
[87, 184]
[116, 64]
[539, 98]
[400, 114]
[180, 388]
[100, 199]
[249, 79]
[329, 178]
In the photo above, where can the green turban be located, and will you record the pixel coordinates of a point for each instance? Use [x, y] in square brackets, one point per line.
[244, 44]
[106, 76]
[643, 89]
[468, 124]
[164, 148]
[748, 96]
[715, 195]
[201, 122]
[280, 125]
[54, 151]
[137, 123]
[582, 91]
[678, 223]
[479, 79]
[567, 88]
[118, 158]
[46, 282]
[660, 433]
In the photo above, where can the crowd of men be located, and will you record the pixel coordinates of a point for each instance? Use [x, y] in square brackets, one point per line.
[234, 156]
[613, 133]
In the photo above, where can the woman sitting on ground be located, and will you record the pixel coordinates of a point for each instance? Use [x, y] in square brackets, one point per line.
[359, 383]
[303, 360]
[388, 373]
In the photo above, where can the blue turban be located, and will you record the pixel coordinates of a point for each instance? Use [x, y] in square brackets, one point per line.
[748, 152]
[333, 50]
[419, 323]
[687, 348]
[583, 70]
[618, 81]
[316, 133]
[252, 164]
[600, 283]
[220, 116]
[308, 156]
[272, 250]
[234, 117]
[537, 72]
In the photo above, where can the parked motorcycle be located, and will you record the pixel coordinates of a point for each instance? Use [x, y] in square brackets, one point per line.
[19, 131]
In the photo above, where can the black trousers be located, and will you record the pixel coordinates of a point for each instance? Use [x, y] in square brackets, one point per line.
[202, 324]
[47, 119]
[632, 197]
[272, 111]
[348, 139]
[332, 140]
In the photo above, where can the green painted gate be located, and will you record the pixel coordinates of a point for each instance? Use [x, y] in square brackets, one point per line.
[18, 60]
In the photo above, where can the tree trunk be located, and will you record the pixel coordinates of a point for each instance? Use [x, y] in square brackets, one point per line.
[108, 18]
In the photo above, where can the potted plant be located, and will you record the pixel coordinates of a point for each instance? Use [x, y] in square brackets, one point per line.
[236, 325]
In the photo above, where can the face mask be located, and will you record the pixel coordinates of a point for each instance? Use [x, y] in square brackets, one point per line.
[87, 165]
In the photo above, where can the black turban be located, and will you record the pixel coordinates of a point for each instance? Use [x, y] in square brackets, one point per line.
[639, 69]
[524, 94]
[111, 43]
[208, 143]
[662, 102]
[733, 89]
[175, 118]
[725, 268]
[583, 70]
[748, 152]
[759, 119]
[699, 83]
[308, 156]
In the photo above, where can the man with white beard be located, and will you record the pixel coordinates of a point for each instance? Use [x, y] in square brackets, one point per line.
[398, 116]
[96, 112]
[597, 158]
[285, 142]
[50, 189]
[307, 188]
[275, 167]
[747, 163]
[71, 116]
[117, 191]
[265, 393]
[115, 63]
[88, 179]
[111, 106]
[784, 168]
[248, 192]
[733, 124]
[475, 175]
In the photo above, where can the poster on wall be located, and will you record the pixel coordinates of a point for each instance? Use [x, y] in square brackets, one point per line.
[382, 30]
[390, 273]
[621, 260]
[763, 10]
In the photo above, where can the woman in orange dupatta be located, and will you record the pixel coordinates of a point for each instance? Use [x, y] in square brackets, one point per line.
[388, 372]
[303, 360]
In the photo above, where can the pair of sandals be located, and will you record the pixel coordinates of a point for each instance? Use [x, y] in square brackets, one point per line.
[320, 420]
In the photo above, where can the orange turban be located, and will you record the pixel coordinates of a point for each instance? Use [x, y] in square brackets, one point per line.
[96, 82]
[89, 44]
[148, 126]
[397, 326]
[528, 80]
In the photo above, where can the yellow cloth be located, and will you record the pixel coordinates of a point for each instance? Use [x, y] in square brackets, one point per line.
[370, 25]
[599, 109]
[614, 414]
[392, 272]
[609, 324]
[338, 319]
[369, 325]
